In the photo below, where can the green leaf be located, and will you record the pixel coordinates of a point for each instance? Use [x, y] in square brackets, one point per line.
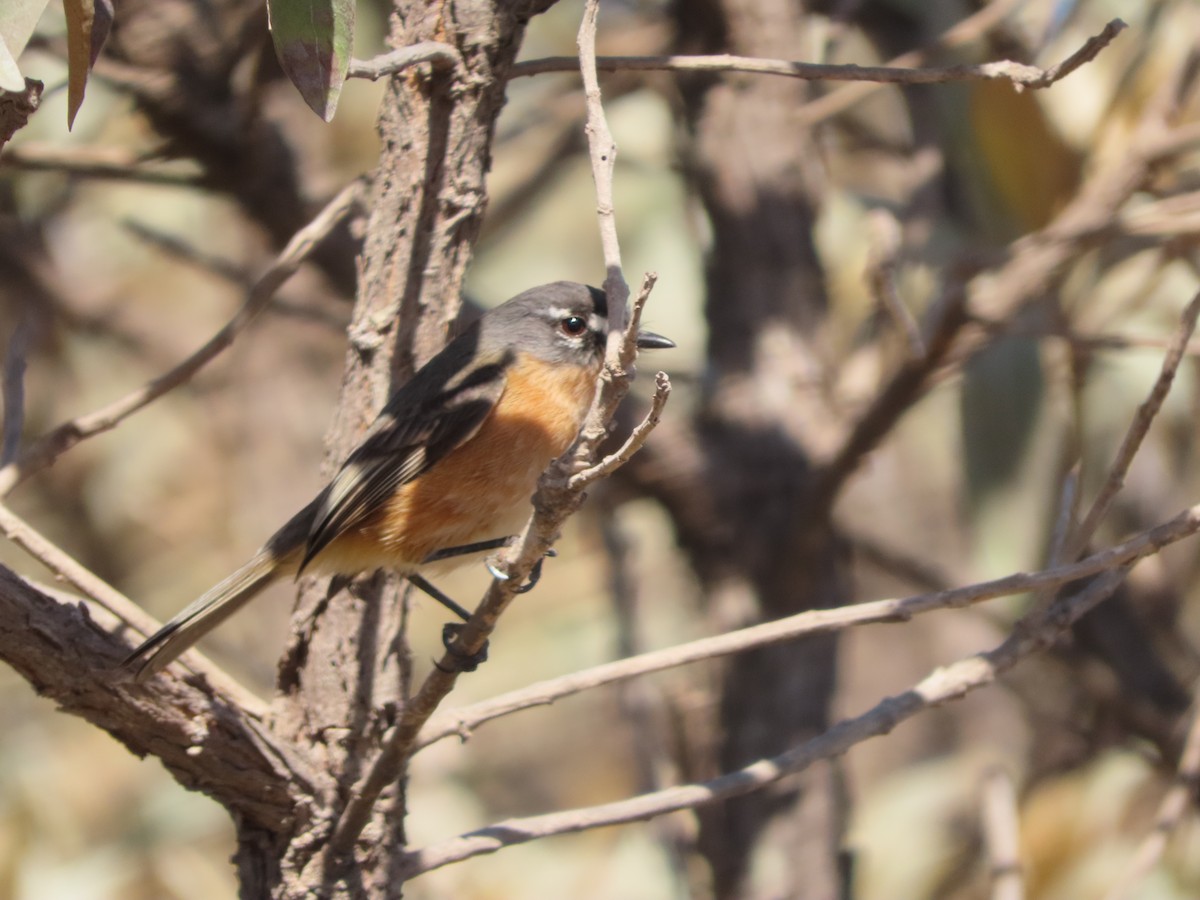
[313, 40]
[88, 24]
[18, 18]
[1002, 397]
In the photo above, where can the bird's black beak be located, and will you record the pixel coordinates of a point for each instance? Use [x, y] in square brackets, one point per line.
[648, 340]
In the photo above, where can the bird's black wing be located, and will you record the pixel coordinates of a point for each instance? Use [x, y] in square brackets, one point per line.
[437, 411]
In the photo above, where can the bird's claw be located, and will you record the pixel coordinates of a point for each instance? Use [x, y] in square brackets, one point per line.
[463, 662]
[535, 574]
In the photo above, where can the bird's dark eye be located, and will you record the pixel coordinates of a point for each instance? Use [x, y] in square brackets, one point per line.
[573, 326]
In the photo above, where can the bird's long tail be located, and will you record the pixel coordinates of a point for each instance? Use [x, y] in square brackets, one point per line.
[279, 558]
[203, 615]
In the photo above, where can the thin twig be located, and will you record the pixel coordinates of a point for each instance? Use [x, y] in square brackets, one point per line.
[602, 150]
[941, 686]
[1136, 432]
[184, 251]
[1090, 50]
[1064, 521]
[228, 271]
[65, 567]
[1175, 803]
[1002, 834]
[1019, 74]
[970, 29]
[441, 55]
[1035, 263]
[881, 278]
[98, 162]
[462, 721]
[1091, 343]
[52, 445]
[633, 443]
[942, 323]
[897, 562]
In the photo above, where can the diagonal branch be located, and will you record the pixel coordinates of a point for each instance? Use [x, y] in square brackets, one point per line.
[907, 385]
[941, 686]
[1136, 432]
[53, 444]
[112, 601]
[1035, 262]
[462, 721]
[66, 649]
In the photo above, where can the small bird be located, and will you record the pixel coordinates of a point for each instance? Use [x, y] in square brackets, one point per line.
[448, 467]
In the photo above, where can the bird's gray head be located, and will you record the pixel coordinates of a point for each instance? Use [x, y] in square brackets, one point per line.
[560, 322]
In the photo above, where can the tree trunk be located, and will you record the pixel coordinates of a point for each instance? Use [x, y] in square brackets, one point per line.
[345, 673]
[764, 546]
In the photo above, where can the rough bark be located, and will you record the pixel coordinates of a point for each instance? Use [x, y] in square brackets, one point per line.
[69, 652]
[16, 107]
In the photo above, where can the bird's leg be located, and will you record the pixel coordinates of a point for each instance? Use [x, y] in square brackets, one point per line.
[440, 596]
[465, 549]
[535, 573]
[451, 630]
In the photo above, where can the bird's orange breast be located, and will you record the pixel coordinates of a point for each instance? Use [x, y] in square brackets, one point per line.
[481, 489]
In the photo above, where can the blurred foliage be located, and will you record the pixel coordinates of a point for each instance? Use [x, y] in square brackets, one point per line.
[172, 500]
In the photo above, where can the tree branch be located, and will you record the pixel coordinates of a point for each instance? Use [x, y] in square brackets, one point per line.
[67, 650]
[461, 721]
[635, 441]
[1021, 76]
[441, 55]
[1136, 432]
[1034, 262]
[112, 601]
[114, 164]
[941, 686]
[53, 444]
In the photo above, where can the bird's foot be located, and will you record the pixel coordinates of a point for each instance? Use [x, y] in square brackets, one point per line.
[462, 662]
[535, 574]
